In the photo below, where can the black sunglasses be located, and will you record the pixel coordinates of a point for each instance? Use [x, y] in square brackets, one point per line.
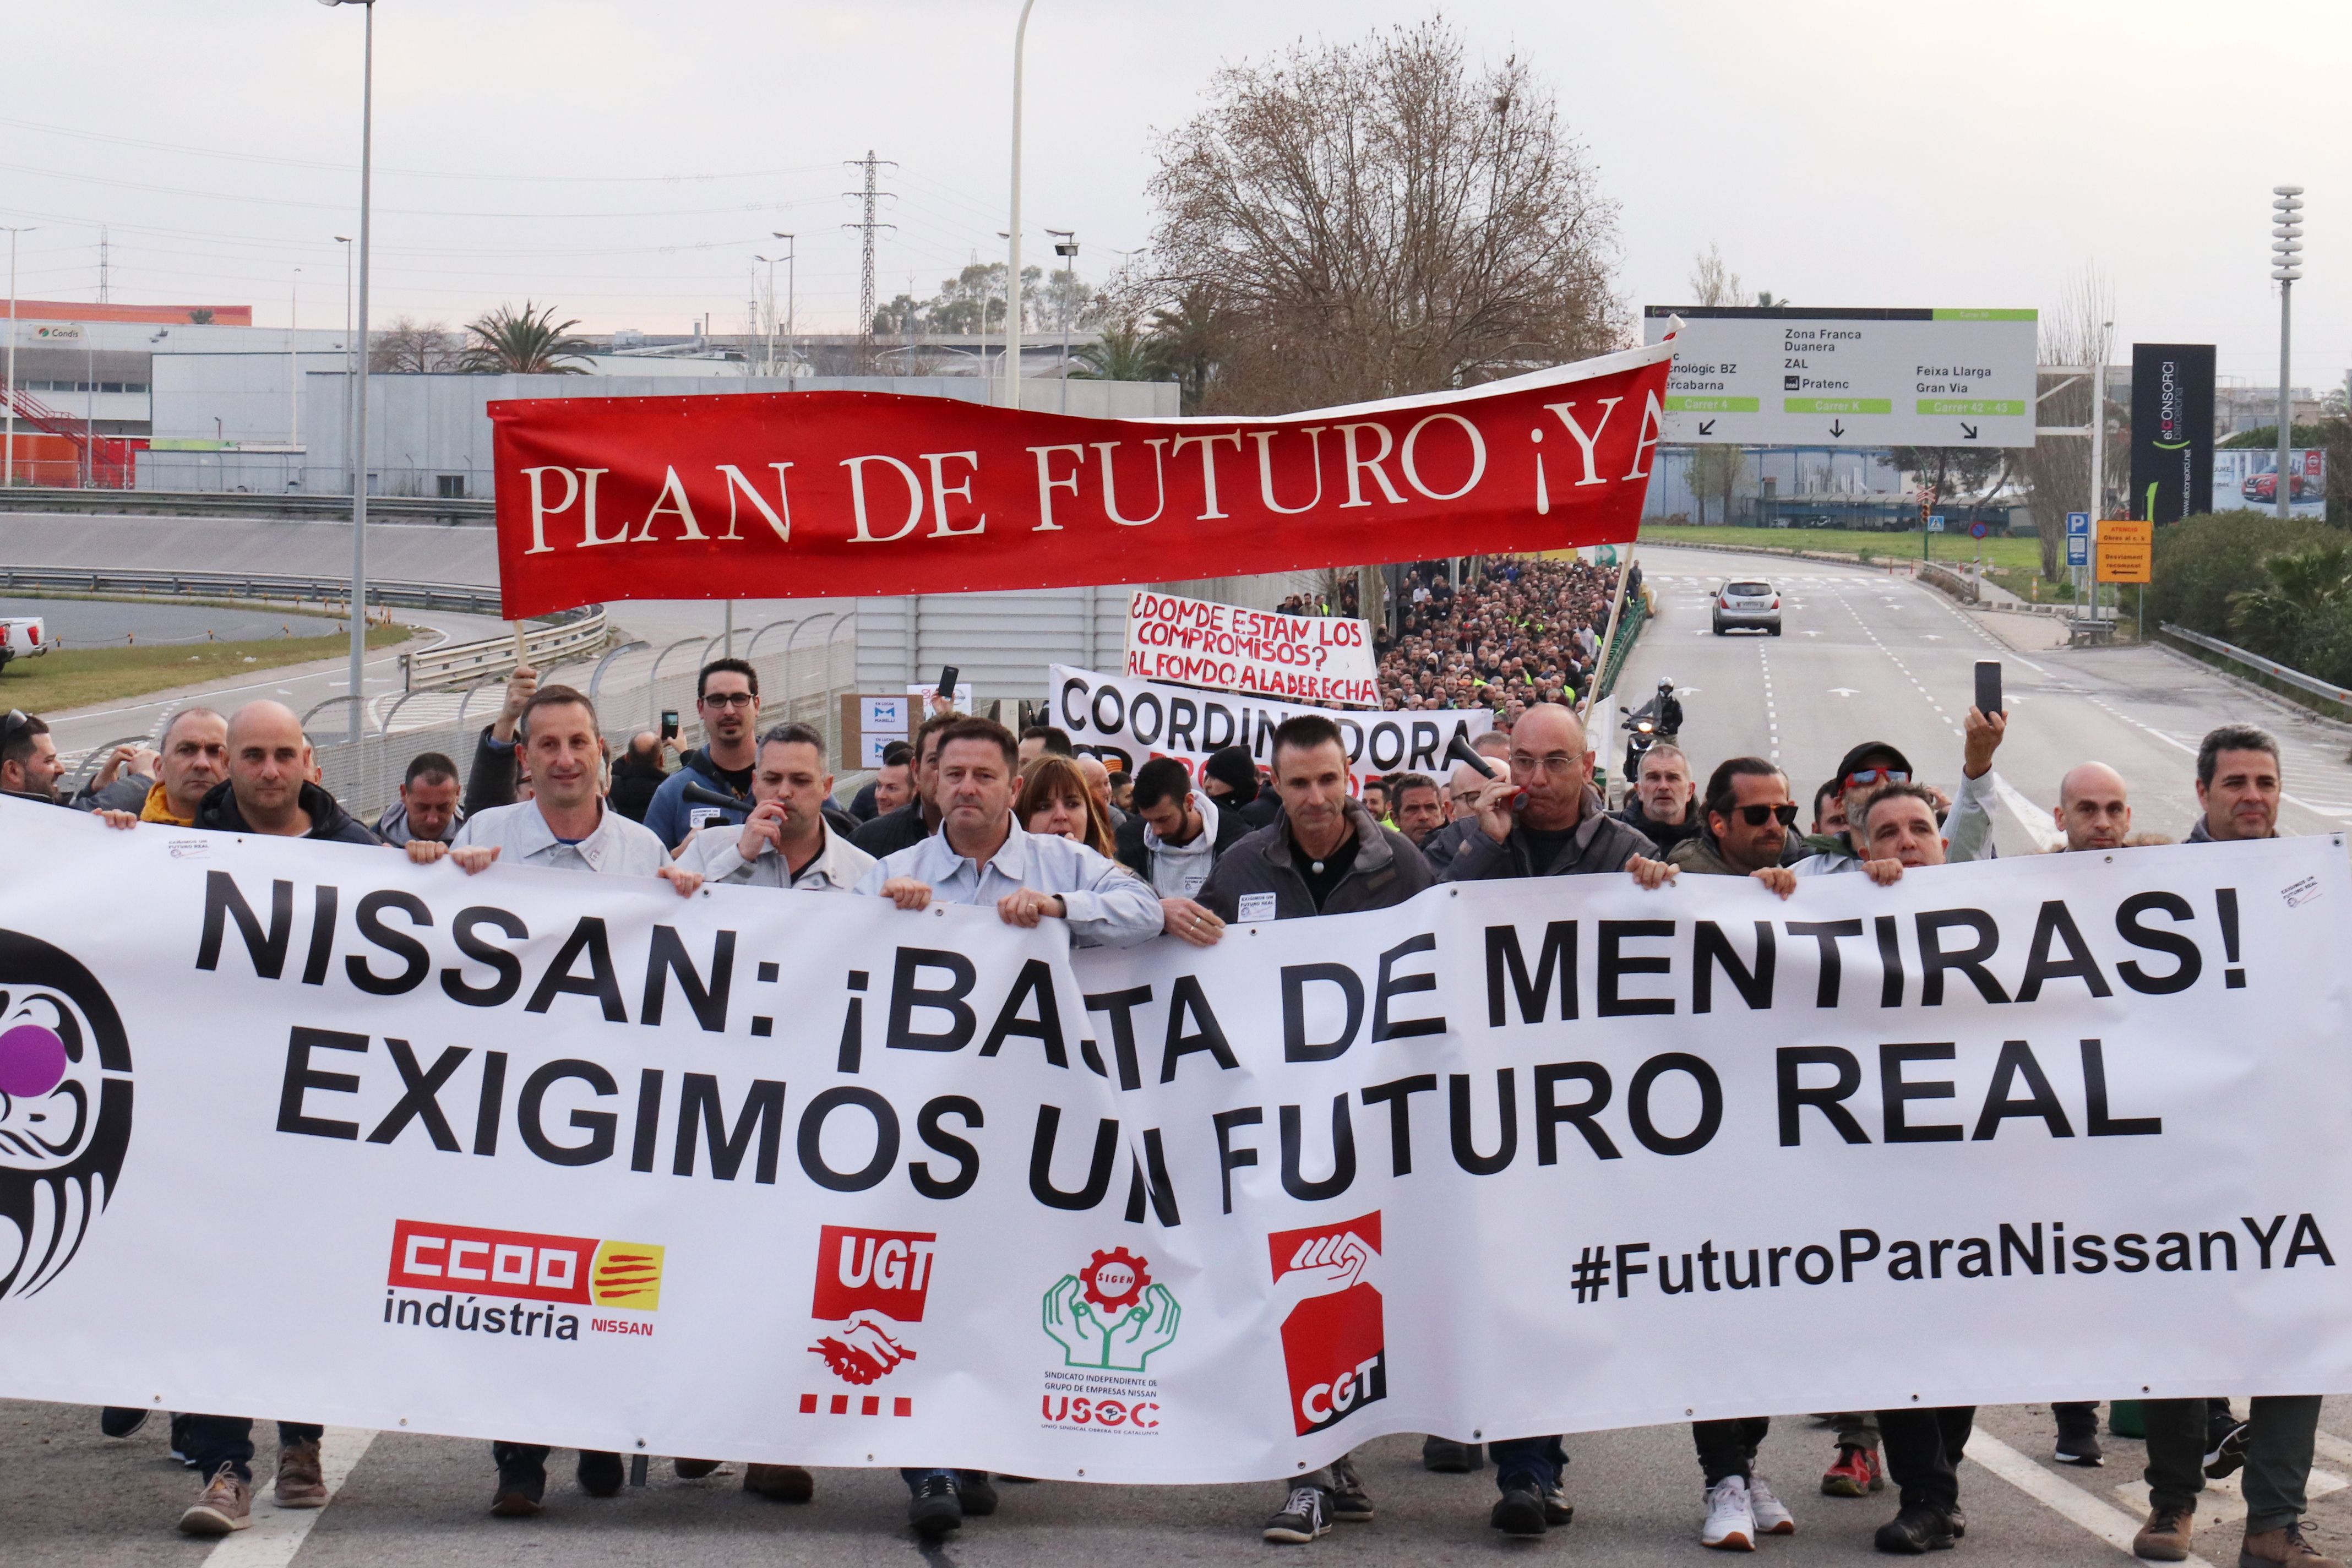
[1757, 815]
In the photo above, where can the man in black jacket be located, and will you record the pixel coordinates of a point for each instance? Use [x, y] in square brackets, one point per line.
[917, 820]
[1549, 821]
[1229, 777]
[1325, 856]
[1660, 804]
[269, 790]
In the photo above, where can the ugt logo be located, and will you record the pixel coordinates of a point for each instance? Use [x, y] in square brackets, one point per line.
[65, 1109]
[1110, 1314]
[870, 1284]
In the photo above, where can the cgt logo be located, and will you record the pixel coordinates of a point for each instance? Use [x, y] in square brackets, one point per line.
[525, 1266]
[1333, 1346]
[65, 1109]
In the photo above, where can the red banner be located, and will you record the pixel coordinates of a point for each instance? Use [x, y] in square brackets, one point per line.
[812, 493]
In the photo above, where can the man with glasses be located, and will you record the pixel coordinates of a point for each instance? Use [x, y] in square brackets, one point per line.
[28, 757]
[1549, 821]
[726, 700]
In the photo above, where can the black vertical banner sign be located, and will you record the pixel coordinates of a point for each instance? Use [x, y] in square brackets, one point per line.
[2172, 431]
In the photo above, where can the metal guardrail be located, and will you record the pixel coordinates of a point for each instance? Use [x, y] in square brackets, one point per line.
[471, 510]
[274, 586]
[463, 664]
[1636, 616]
[2272, 668]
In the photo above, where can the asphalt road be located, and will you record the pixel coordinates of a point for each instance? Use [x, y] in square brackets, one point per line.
[1864, 656]
[108, 623]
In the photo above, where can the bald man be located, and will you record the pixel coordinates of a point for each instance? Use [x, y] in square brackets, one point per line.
[1097, 776]
[269, 789]
[2093, 807]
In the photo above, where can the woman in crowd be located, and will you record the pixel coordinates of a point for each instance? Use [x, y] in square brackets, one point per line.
[1055, 800]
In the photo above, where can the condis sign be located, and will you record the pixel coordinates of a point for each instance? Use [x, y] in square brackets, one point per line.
[795, 494]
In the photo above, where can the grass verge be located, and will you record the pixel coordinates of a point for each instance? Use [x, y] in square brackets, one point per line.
[2020, 555]
[76, 678]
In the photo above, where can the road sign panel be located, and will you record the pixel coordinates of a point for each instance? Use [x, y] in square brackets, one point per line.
[1803, 376]
[2126, 531]
[2078, 550]
[2078, 525]
[1977, 530]
[1935, 523]
[2126, 562]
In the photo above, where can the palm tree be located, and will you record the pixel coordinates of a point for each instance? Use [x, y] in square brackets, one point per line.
[530, 344]
[1120, 353]
[1189, 338]
[2311, 594]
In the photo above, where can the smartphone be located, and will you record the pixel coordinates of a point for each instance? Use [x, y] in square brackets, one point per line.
[669, 723]
[1988, 686]
[948, 682]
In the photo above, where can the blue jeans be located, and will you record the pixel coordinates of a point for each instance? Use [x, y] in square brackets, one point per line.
[216, 1441]
[1518, 1460]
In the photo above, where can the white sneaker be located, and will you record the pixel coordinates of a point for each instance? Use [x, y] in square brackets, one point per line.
[1773, 1515]
[1730, 1521]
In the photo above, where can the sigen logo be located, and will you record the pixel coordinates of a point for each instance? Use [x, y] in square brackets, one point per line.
[525, 1266]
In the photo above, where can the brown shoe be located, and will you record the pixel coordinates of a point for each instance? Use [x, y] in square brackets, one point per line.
[694, 1469]
[790, 1483]
[2165, 1537]
[300, 1482]
[226, 1506]
[2286, 1545]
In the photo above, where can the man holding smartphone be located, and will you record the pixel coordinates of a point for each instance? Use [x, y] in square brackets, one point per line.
[726, 699]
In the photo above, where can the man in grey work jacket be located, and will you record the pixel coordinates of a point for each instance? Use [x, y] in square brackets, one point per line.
[980, 856]
[785, 842]
[564, 827]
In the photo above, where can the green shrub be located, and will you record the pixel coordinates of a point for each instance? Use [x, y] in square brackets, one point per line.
[2201, 561]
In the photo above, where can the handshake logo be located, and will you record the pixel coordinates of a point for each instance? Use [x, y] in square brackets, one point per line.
[1110, 1315]
[1333, 1343]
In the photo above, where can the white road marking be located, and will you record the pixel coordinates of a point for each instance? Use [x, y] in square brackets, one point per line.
[2224, 1501]
[2109, 1522]
[2036, 822]
[278, 1534]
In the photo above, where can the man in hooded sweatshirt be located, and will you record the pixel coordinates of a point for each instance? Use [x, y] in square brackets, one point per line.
[1173, 837]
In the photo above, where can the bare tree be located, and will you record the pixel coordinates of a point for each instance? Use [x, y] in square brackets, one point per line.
[1713, 283]
[1383, 217]
[409, 347]
[2057, 469]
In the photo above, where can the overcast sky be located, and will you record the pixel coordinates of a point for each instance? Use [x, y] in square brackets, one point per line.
[625, 162]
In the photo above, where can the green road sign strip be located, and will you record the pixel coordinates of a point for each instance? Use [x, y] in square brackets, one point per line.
[1837, 406]
[1988, 315]
[1972, 407]
[1677, 404]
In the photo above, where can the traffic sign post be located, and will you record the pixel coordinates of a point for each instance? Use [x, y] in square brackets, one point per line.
[2078, 544]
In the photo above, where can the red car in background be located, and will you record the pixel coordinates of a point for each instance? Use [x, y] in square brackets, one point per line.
[2265, 486]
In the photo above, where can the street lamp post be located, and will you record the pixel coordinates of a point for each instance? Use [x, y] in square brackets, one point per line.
[1066, 245]
[8, 464]
[345, 241]
[359, 401]
[2286, 265]
[293, 365]
[791, 266]
[1013, 270]
[767, 353]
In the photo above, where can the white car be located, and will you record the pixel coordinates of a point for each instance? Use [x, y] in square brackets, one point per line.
[1749, 603]
[22, 636]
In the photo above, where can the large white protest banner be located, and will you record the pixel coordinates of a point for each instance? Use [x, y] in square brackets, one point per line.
[800, 1177]
[1299, 659]
[1133, 720]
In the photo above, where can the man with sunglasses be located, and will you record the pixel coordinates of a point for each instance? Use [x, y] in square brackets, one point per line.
[726, 700]
[1966, 816]
[1548, 821]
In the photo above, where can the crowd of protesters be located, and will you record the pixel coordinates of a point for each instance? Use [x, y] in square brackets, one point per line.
[1523, 631]
[968, 813]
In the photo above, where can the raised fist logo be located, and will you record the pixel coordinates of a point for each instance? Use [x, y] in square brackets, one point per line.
[65, 1109]
[1111, 1316]
[861, 1350]
[1332, 1337]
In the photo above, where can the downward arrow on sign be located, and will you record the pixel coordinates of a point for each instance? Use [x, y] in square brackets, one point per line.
[1836, 427]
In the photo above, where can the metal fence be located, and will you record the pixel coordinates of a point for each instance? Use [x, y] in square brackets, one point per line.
[805, 666]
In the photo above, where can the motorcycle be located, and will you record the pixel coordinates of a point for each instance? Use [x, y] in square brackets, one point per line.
[1659, 719]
